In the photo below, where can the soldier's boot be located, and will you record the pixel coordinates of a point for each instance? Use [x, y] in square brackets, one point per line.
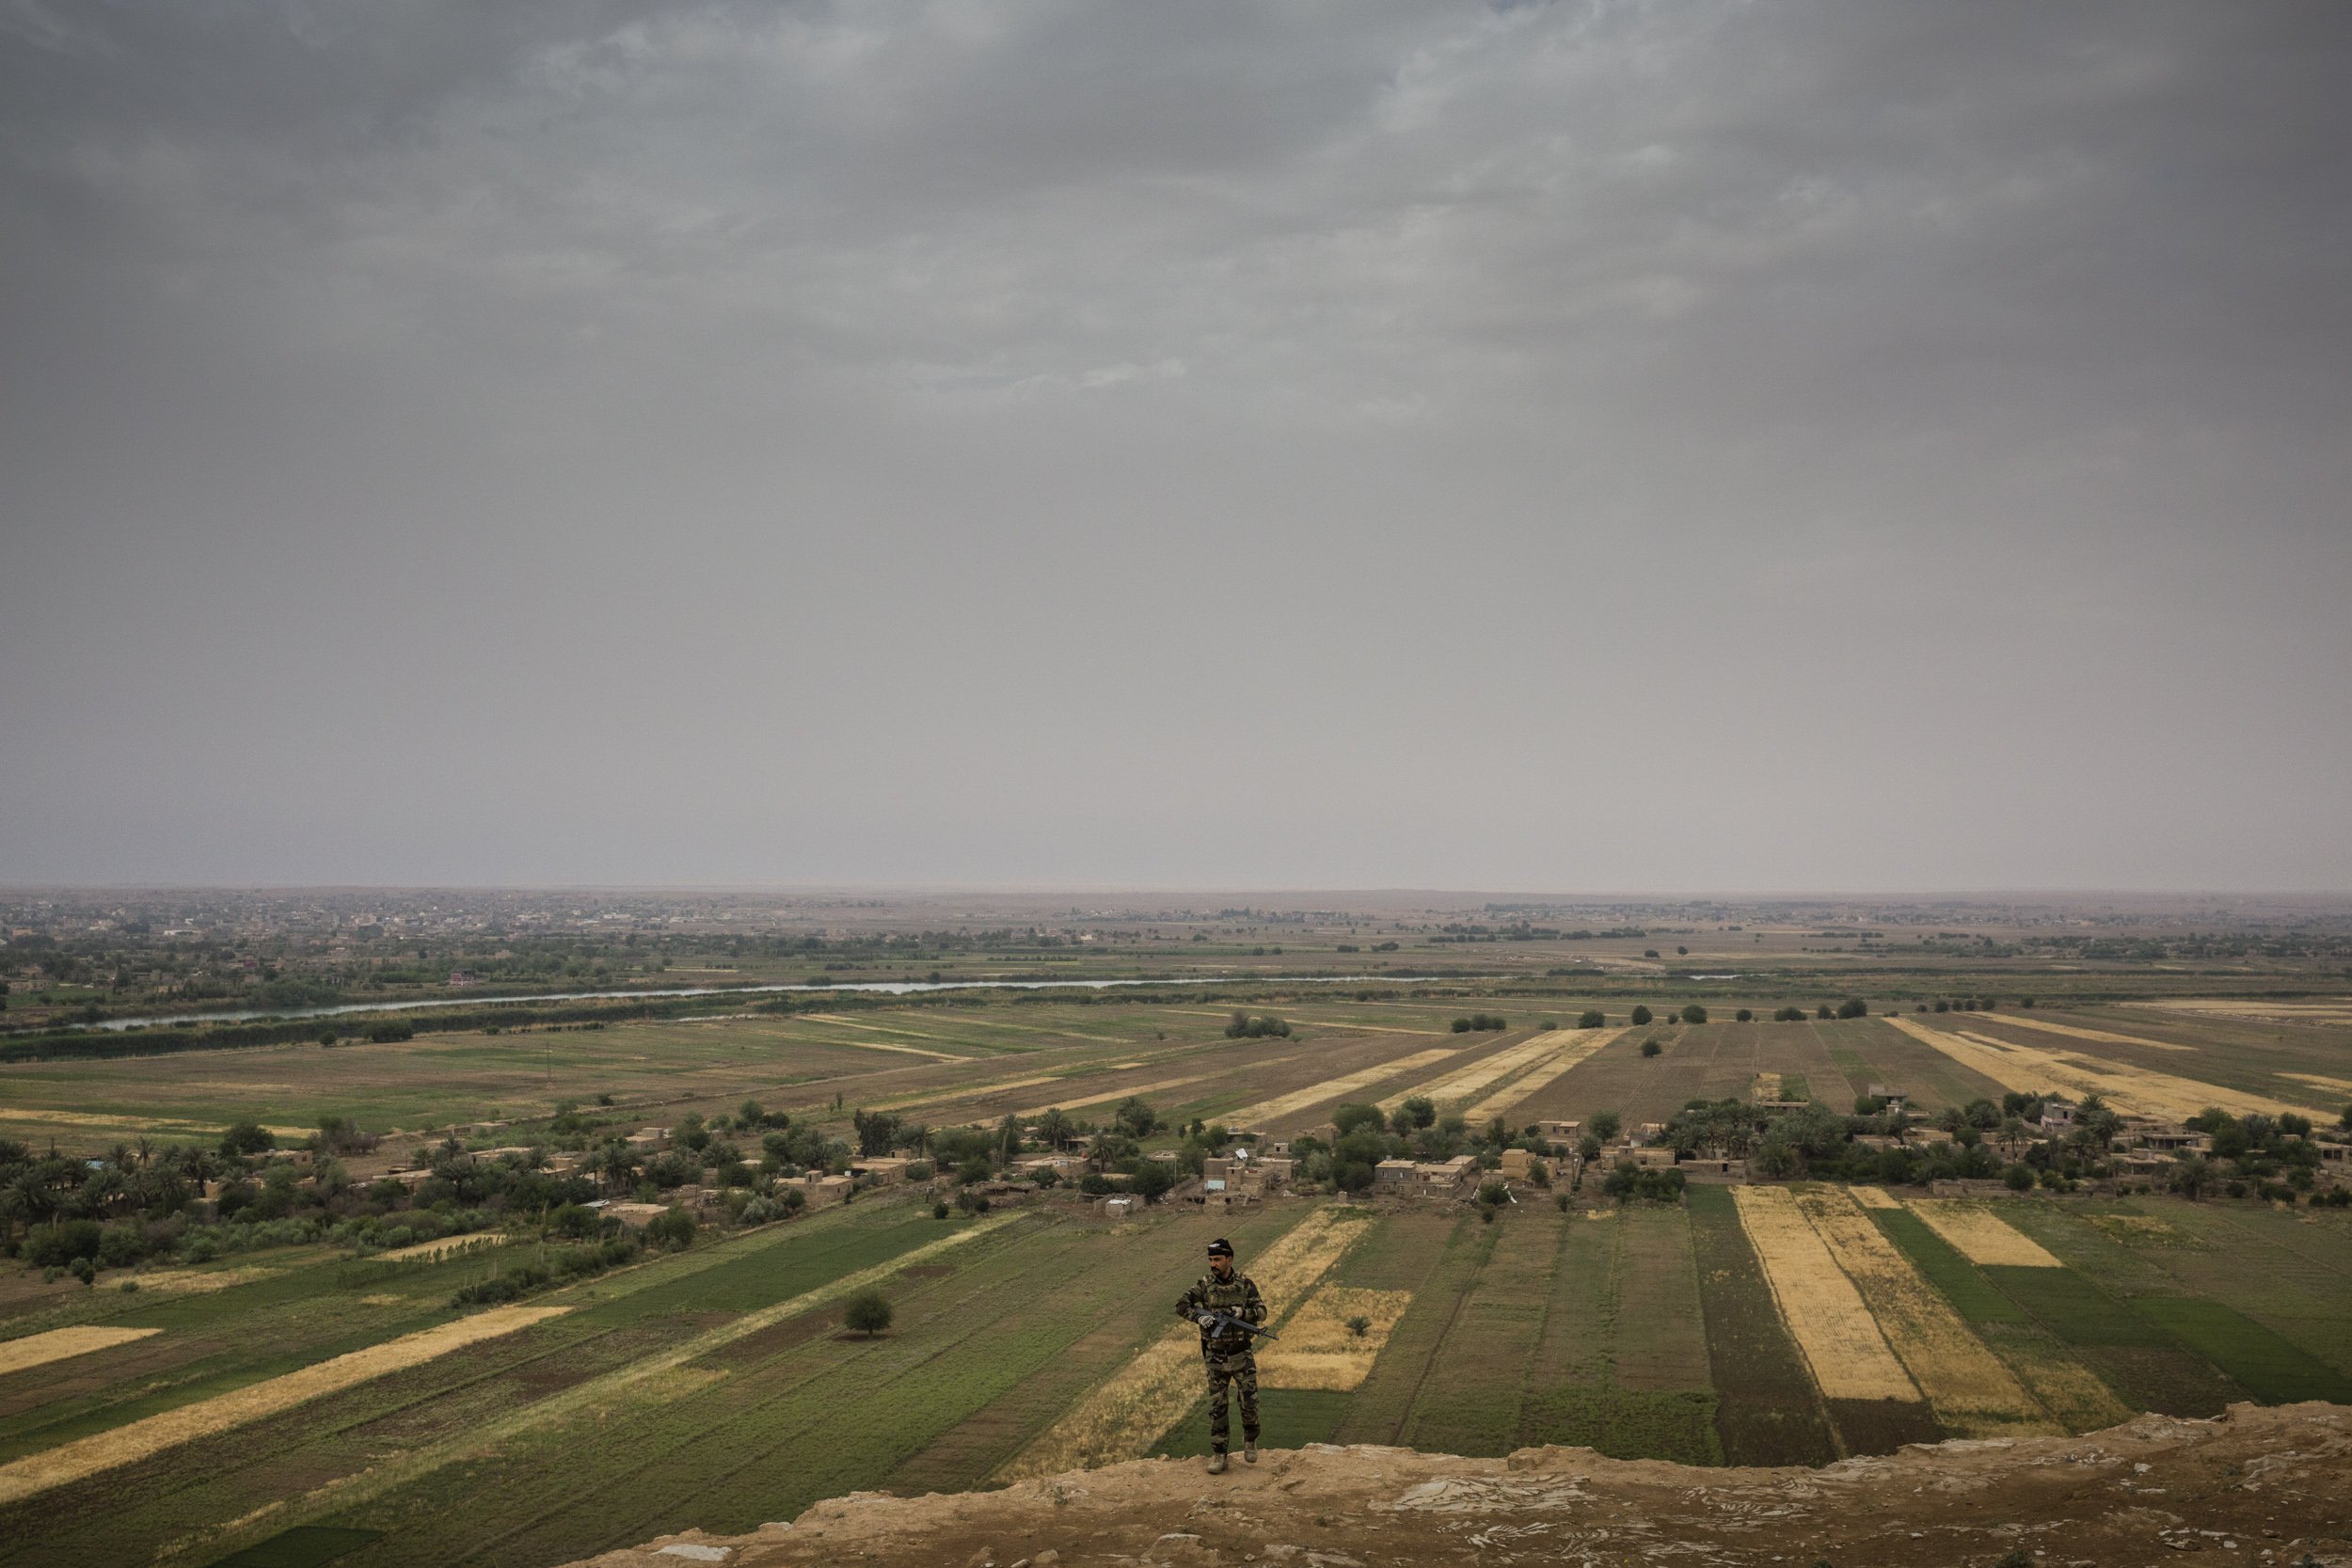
[1216, 1463]
[1249, 1449]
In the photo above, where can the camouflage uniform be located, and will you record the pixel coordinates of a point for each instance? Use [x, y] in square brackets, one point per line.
[1230, 1354]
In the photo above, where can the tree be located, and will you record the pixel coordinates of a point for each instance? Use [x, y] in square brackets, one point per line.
[1417, 1111]
[1694, 1013]
[1822, 1011]
[2019, 1177]
[1606, 1125]
[1641, 1016]
[246, 1138]
[1136, 1117]
[1353, 1117]
[1651, 1048]
[1853, 1007]
[1745, 1015]
[1054, 1127]
[2192, 1175]
[868, 1314]
[1787, 1015]
[1151, 1180]
[1593, 1018]
[877, 1130]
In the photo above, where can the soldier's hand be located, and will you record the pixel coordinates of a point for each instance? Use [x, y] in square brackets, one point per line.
[1206, 1320]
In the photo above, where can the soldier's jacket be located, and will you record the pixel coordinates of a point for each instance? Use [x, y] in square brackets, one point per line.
[1237, 1296]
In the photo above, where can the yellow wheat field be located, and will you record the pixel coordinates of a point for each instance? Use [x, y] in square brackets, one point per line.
[1319, 1351]
[1876, 1197]
[2255, 1012]
[1823, 1312]
[446, 1246]
[1464, 1084]
[1982, 1236]
[1125, 1415]
[967, 1091]
[2051, 1026]
[1162, 1087]
[185, 1281]
[2030, 1070]
[1968, 1388]
[168, 1124]
[1767, 1086]
[1334, 1088]
[1582, 1044]
[2320, 1081]
[35, 1350]
[145, 1438]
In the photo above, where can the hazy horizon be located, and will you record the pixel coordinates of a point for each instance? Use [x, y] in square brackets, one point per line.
[886, 444]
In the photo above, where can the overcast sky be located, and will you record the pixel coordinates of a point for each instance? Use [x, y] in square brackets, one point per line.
[1344, 443]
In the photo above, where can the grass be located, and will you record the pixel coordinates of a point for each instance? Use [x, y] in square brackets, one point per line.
[1767, 1410]
[1627, 1423]
[2268, 1367]
[304, 1546]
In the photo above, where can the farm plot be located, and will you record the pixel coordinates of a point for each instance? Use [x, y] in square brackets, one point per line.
[2078, 1031]
[1121, 1418]
[1967, 1387]
[669, 1367]
[1322, 1346]
[1980, 1235]
[1572, 1047]
[142, 1439]
[1477, 1375]
[1871, 1050]
[1467, 1084]
[2033, 1071]
[1269, 1114]
[1768, 1410]
[1833, 1329]
[59, 1344]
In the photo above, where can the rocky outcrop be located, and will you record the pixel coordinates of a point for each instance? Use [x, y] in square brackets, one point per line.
[2268, 1488]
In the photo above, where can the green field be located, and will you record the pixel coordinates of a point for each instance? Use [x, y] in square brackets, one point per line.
[716, 1386]
[1646, 1331]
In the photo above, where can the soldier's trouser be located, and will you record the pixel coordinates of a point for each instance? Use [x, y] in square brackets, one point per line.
[1241, 1372]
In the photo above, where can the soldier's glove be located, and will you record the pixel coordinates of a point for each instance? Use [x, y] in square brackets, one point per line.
[1206, 1320]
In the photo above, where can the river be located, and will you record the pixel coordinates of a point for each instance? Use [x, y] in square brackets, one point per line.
[885, 987]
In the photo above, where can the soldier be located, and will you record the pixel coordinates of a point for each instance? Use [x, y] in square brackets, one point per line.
[1229, 1351]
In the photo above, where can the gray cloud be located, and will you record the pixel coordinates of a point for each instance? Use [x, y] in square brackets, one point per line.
[1549, 446]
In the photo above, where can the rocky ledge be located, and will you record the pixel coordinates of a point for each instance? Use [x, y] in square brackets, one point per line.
[2263, 1488]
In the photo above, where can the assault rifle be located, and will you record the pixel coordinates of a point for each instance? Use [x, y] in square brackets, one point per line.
[1216, 1322]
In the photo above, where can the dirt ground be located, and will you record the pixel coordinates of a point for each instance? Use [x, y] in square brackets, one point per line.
[2255, 1486]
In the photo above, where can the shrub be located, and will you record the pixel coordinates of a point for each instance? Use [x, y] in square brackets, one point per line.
[2019, 1177]
[868, 1314]
[1479, 1023]
[1651, 1048]
[1641, 1016]
[1359, 1326]
[1591, 1018]
[1853, 1007]
[940, 1211]
[1694, 1013]
[1789, 1015]
[55, 1245]
[673, 1227]
[1745, 1015]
